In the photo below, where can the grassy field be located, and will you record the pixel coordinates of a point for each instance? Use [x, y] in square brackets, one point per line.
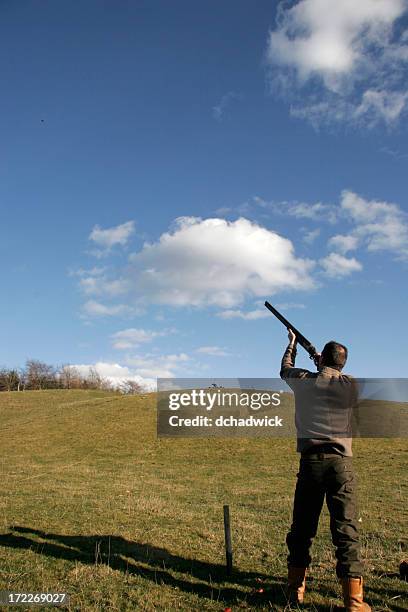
[92, 503]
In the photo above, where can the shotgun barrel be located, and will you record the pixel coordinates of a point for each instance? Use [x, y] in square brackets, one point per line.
[304, 342]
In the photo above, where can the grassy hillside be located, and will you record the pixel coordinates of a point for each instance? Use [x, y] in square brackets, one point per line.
[94, 504]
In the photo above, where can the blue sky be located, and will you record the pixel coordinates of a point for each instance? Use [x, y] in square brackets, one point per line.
[165, 167]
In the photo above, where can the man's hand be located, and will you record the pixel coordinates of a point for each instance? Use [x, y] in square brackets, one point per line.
[292, 337]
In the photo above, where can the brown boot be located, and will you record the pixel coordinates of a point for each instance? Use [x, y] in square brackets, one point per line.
[353, 595]
[296, 584]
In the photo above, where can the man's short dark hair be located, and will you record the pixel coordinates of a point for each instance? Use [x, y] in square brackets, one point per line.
[334, 355]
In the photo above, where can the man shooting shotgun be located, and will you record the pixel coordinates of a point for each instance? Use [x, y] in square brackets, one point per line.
[324, 401]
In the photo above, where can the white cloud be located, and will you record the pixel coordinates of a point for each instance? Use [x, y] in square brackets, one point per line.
[343, 243]
[259, 313]
[394, 153]
[160, 366]
[224, 210]
[351, 54]
[110, 237]
[101, 285]
[289, 306]
[82, 272]
[386, 104]
[213, 351]
[337, 266]
[364, 211]
[310, 236]
[93, 308]
[331, 38]
[216, 262]
[129, 338]
[380, 226]
[316, 212]
[251, 315]
[323, 112]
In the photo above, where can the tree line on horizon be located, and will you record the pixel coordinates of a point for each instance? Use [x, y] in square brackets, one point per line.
[37, 376]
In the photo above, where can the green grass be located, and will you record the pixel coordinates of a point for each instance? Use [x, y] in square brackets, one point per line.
[92, 503]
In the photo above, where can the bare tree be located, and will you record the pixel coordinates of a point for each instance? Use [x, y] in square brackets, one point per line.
[23, 379]
[40, 375]
[130, 387]
[70, 377]
[95, 381]
[9, 380]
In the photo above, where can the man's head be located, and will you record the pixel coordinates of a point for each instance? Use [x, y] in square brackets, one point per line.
[334, 355]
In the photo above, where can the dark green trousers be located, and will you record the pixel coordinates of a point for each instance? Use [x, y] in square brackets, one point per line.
[329, 476]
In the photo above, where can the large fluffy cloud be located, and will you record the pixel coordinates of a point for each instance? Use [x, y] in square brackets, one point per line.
[227, 264]
[331, 38]
[217, 262]
[351, 50]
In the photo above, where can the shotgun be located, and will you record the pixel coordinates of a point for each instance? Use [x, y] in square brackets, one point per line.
[304, 342]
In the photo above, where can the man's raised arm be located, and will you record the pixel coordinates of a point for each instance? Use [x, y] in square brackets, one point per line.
[288, 369]
[289, 356]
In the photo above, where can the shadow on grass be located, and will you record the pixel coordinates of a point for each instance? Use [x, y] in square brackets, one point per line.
[207, 580]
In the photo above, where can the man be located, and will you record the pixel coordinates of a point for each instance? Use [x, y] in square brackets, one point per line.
[323, 405]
